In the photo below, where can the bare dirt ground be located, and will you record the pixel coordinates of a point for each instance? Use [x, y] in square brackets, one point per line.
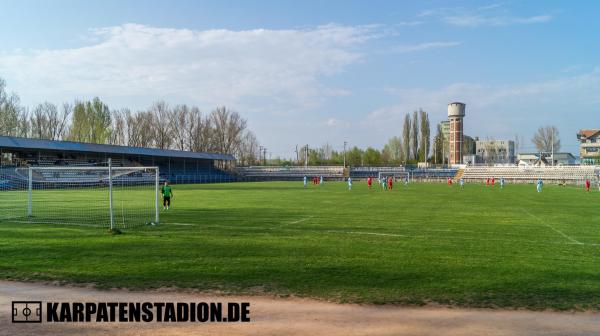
[292, 316]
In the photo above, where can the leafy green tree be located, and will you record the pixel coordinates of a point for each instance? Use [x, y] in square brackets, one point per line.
[372, 157]
[354, 156]
[91, 122]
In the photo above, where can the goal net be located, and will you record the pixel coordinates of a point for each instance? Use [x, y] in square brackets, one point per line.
[112, 197]
[397, 176]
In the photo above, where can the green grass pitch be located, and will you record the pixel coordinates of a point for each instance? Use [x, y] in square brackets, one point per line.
[477, 247]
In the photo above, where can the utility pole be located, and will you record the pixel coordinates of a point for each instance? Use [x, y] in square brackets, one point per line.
[297, 156]
[260, 151]
[265, 155]
[345, 143]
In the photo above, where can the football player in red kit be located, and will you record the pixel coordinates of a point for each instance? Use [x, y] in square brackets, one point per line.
[587, 185]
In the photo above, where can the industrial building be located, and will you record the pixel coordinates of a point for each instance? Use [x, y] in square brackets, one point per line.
[456, 114]
[495, 151]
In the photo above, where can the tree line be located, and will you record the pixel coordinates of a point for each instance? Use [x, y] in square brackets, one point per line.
[162, 126]
[412, 146]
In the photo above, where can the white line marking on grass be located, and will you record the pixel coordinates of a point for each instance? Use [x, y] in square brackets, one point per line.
[291, 223]
[573, 240]
[373, 233]
[301, 220]
[367, 233]
[57, 223]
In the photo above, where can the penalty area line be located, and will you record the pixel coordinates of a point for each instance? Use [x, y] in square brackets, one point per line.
[373, 233]
[382, 234]
[573, 240]
[291, 223]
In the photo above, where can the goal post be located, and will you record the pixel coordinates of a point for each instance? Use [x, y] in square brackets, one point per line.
[397, 176]
[108, 196]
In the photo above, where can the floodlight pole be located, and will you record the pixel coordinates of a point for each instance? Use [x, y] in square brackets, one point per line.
[110, 195]
[345, 143]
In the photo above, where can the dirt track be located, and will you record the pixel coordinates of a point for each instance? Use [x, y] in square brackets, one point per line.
[274, 316]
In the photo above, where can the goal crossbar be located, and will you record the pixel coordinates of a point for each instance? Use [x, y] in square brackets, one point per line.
[395, 174]
[94, 195]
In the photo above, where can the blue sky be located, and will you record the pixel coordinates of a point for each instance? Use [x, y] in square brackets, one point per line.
[317, 71]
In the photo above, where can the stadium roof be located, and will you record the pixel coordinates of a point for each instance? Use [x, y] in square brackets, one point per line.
[70, 146]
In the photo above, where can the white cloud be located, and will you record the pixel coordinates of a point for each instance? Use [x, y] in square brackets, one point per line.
[503, 110]
[495, 15]
[480, 20]
[331, 122]
[206, 67]
[409, 23]
[424, 46]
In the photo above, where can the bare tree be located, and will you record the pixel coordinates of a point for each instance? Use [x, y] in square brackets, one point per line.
[248, 151]
[118, 132]
[139, 128]
[228, 127]
[9, 111]
[546, 139]
[23, 127]
[161, 117]
[327, 151]
[38, 121]
[44, 121]
[180, 117]
[199, 132]
[59, 121]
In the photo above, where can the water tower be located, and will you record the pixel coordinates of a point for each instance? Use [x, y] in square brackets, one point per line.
[456, 113]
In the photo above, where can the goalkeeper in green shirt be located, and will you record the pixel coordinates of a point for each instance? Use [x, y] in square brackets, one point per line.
[167, 193]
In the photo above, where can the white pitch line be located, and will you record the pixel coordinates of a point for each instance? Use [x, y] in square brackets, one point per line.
[301, 220]
[573, 240]
[294, 222]
[372, 233]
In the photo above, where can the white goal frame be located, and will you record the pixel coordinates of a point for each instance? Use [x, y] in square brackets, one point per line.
[111, 172]
[395, 174]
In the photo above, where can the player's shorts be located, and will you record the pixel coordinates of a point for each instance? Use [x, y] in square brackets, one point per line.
[167, 200]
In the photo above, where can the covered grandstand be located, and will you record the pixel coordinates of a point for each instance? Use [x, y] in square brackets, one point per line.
[175, 166]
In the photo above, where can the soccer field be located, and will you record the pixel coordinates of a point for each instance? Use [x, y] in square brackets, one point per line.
[477, 247]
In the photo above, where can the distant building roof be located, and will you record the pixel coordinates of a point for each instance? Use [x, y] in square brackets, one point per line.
[586, 133]
[70, 146]
[557, 155]
[564, 154]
